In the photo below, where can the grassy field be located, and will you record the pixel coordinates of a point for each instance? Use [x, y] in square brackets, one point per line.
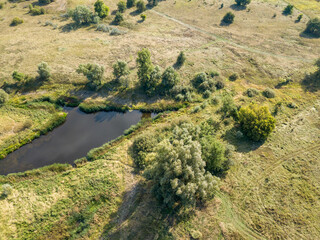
[271, 192]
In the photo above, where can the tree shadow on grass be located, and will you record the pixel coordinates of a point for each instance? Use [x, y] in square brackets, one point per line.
[236, 7]
[32, 84]
[135, 13]
[311, 82]
[69, 27]
[307, 35]
[138, 217]
[224, 24]
[242, 144]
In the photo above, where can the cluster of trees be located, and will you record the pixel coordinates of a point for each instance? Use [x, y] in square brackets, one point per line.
[182, 171]
[150, 77]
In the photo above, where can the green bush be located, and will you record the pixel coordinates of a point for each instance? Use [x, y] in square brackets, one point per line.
[141, 7]
[182, 93]
[93, 72]
[181, 59]
[19, 77]
[228, 18]
[214, 154]
[82, 15]
[1, 5]
[131, 3]
[299, 17]
[178, 176]
[143, 17]
[313, 27]
[233, 77]
[4, 97]
[120, 68]
[16, 21]
[122, 6]
[36, 10]
[170, 78]
[288, 10]
[44, 71]
[202, 83]
[269, 93]
[118, 18]
[256, 122]
[6, 190]
[251, 92]
[141, 146]
[243, 2]
[101, 9]
[220, 84]
[228, 107]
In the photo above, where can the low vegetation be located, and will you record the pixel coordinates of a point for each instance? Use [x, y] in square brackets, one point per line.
[16, 21]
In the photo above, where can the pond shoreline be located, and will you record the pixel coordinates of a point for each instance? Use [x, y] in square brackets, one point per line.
[97, 122]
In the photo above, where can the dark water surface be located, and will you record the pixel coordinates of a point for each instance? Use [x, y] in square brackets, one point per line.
[70, 141]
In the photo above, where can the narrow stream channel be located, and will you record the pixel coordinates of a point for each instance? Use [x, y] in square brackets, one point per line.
[70, 141]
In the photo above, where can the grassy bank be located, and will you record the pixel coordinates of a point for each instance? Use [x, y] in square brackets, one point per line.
[23, 123]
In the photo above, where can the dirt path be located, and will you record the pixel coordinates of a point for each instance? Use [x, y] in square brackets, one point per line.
[231, 217]
[230, 42]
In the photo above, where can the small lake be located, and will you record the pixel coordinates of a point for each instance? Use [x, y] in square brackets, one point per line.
[72, 140]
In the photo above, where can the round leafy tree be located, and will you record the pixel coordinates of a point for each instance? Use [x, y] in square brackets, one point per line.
[101, 9]
[256, 122]
[170, 78]
[141, 7]
[93, 72]
[120, 68]
[179, 177]
[122, 6]
[228, 18]
[313, 27]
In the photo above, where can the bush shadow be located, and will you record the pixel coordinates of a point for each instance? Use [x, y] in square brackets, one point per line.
[32, 84]
[311, 82]
[242, 144]
[135, 13]
[307, 35]
[224, 24]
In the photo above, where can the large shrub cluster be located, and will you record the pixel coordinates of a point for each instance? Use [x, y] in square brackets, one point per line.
[313, 27]
[82, 15]
[179, 177]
